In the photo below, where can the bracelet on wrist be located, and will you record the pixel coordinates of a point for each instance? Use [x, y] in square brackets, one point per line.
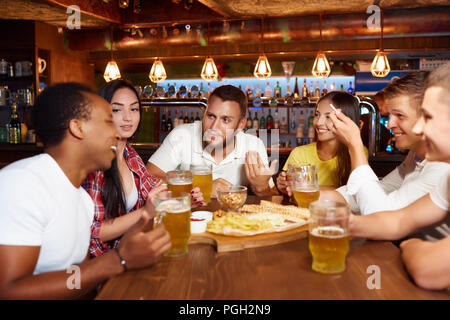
[122, 261]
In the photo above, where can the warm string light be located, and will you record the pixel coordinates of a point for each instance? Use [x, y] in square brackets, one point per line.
[262, 69]
[380, 64]
[321, 67]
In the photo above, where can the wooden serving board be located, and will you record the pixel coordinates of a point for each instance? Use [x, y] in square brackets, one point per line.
[232, 243]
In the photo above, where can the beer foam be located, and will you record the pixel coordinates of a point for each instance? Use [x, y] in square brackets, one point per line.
[179, 182]
[306, 190]
[331, 232]
[172, 206]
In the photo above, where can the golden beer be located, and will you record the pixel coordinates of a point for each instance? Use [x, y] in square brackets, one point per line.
[305, 197]
[329, 246]
[174, 210]
[180, 186]
[204, 182]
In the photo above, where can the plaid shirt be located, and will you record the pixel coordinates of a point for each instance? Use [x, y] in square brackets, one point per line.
[93, 185]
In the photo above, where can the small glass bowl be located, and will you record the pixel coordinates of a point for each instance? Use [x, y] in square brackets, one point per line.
[232, 198]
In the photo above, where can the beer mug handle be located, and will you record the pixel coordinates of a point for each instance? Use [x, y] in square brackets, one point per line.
[42, 65]
[157, 220]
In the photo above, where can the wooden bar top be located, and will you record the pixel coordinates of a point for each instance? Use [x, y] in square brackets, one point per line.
[278, 272]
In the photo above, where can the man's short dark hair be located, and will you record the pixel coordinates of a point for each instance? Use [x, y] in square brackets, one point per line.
[56, 106]
[411, 85]
[231, 93]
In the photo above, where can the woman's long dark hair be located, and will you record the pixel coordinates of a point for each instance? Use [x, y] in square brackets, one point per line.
[112, 191]
[349, 105]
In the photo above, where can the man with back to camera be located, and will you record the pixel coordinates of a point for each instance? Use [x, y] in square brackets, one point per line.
[46, 216]
[237, 158]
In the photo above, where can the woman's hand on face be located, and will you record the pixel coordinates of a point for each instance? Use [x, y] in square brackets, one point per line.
[344, 128]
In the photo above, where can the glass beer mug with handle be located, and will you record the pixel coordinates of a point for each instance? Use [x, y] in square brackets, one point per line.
[173, 208]
[305, 184]
[179, 180]
[328, 236]
[202, 178]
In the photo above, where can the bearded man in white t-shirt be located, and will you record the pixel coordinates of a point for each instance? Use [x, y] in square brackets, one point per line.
[45, 214]
[236, 158]
[428, 262]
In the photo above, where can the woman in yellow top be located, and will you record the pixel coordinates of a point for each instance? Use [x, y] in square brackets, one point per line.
[329, 155]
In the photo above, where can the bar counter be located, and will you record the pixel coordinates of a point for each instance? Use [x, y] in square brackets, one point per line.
[382, 164]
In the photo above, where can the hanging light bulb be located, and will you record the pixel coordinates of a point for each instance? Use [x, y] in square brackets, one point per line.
[380, 65]
[124, 3]
[321, 67]
[112, 71]
[209, 70]
[157, 73]
[262, 68]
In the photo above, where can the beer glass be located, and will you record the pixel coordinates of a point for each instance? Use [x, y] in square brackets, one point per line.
[202, 178]
[179, 180]
[328, 236]
[173, 208]
[305, 184]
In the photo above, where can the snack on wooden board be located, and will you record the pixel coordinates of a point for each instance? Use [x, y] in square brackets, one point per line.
[267, 206]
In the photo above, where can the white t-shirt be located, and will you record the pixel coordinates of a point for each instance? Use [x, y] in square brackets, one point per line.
[408, 182]
[183, 147]
[41, 207]
[440, 195]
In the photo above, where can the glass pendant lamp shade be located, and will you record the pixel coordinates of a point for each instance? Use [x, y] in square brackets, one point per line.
[262, 68]
[380, 65]
[321, 67]
[112, 71]
[157, 73]
[209, 70]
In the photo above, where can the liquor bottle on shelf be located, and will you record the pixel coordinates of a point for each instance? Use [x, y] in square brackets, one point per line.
[180, 118]
[317, 91]
[277, 90]
[249, 124]
[258, 92]
[175, 119]
[172, 91]
[262, 121]
[202, 91]
[324, 90]
[276, 122]
[163, 122]
[350, 89]
[208, 93]
[169, 122]
[268, 91]
[296, 91]
[269, 121]
[197, 117]
[342, 88]
[311, 90]
[299, 133]
[191, 119]
[293, 125]
[255, 124]
[333, 87]
[311, 134]
[288, 100]
[14, 126]
[249, 92]
[304, 89]
[186, 118]
[283, 125]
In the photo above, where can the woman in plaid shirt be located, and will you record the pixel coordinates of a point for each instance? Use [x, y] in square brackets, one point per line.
[120, 193]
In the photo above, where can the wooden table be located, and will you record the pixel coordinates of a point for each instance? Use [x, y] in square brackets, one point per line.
[276, 272]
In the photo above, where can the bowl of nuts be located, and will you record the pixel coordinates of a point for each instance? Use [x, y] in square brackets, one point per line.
[231, 198]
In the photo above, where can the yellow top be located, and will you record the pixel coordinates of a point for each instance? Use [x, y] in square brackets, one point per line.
[326, 170]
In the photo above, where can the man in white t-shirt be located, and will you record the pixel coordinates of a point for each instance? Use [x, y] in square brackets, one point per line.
[237, 158]
[428, 262]
[46, 217]
[415, 177]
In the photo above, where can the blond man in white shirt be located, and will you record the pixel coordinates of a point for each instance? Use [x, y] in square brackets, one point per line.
[237, 158]
[428, 262]
[415, 177]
